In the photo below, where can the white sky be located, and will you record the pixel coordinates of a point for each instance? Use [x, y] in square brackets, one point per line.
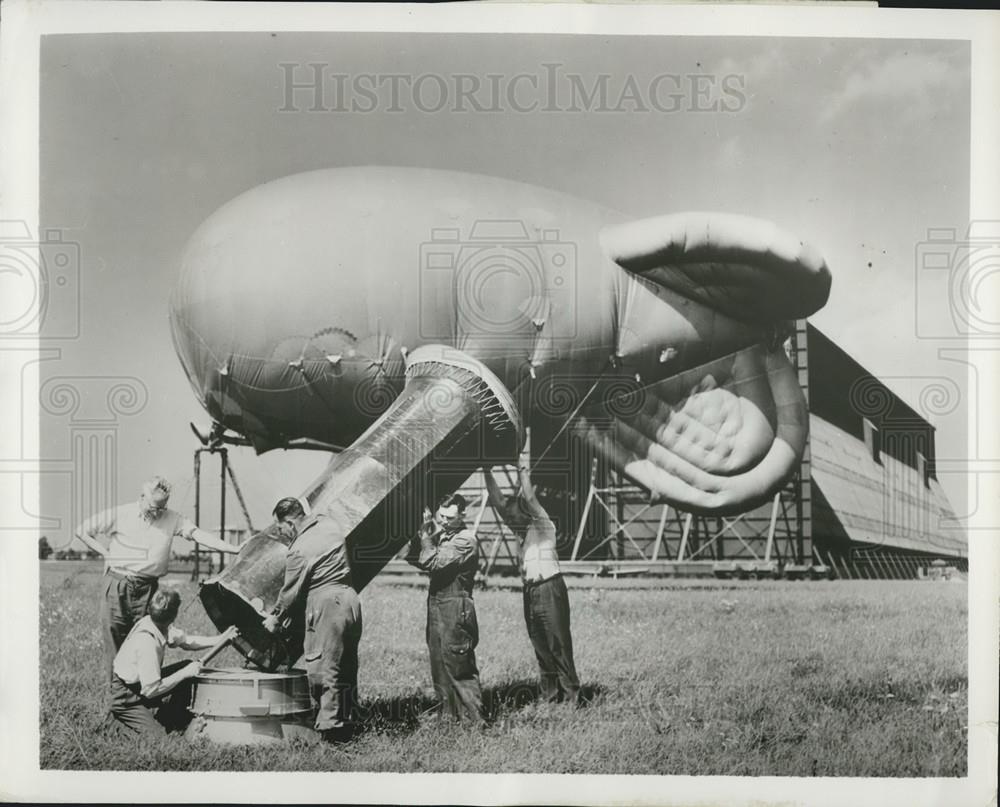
[858, 146]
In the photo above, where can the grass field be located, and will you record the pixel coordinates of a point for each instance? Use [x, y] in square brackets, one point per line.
[764, 678]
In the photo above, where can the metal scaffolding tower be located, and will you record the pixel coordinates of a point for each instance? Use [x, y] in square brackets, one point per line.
[760, 541]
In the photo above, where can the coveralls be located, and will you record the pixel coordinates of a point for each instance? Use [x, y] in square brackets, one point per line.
[452, 630]
[318, 581]
[546, 601]
[137, 557]
[138, 671]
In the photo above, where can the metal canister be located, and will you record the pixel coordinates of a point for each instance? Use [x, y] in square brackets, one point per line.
[248, 706]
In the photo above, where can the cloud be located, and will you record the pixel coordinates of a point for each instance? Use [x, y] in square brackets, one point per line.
[755, 66]
[916, 79]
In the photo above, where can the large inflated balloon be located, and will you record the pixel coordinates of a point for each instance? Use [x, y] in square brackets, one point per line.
[372, 303]
[299, 301]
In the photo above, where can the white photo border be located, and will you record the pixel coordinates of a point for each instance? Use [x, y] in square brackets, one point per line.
[24, 23]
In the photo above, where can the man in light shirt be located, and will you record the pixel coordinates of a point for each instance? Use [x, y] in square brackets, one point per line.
[147, 697]
[546, 601]
[136, 555]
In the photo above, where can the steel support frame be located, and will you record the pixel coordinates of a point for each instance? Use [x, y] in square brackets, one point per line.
[226, 477]
[687, 521]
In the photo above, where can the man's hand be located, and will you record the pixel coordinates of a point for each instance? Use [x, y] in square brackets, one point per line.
[428, 527]
[233, 549]
[192, 669]
[271, 623]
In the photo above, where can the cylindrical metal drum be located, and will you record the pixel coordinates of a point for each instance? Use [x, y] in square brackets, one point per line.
[452, 417]
[247, 706]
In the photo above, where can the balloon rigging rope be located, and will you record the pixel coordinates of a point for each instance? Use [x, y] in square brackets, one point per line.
[571, 418]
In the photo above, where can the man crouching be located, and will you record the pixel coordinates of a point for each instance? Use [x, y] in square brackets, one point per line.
[146, 697]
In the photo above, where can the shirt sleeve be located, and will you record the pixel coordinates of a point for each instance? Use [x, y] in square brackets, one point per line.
[100, 523]
[185, 527]
[147, 661]
[453, 552]
[413, 550]
[296, 575]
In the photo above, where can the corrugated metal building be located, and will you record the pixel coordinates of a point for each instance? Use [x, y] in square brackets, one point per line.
[876, 500]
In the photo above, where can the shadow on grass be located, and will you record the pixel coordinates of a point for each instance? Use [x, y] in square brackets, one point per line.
[399, 715]
[402, 715]
[513, 696]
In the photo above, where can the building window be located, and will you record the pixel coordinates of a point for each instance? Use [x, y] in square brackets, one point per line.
[924, 469]
[873, 441]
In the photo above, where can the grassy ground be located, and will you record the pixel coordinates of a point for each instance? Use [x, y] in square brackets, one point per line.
[770, 678]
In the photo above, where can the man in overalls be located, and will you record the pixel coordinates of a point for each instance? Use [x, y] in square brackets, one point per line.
[546, 601]
[319, 592]
[446, 550]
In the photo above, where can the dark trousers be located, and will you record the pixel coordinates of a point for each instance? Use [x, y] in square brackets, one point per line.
[546, 614]
[330, 654]
[126, 601]
[151, 716]
[452, 636]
